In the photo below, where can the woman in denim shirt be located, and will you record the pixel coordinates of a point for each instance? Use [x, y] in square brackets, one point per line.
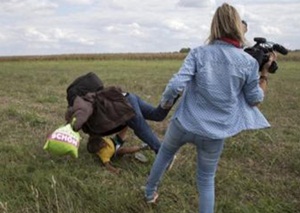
[221, 88]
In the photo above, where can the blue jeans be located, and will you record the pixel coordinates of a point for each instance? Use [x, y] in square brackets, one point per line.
[143, 112]
[208, 154]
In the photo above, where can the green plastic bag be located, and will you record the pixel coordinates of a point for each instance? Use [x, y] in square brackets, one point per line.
[63, 141]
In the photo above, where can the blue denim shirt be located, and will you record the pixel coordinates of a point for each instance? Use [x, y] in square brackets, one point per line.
[220, 85]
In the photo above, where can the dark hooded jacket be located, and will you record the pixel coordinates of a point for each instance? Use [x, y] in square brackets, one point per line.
[100, 113]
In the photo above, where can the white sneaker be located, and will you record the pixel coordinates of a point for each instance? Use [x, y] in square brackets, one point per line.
[145, 146]
[140, 157]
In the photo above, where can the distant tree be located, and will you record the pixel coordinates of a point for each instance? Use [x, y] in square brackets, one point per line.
[185, 50]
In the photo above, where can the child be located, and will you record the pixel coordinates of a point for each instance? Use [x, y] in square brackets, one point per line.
[108, 147]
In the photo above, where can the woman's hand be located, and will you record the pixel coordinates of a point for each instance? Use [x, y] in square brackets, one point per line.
[265, 69]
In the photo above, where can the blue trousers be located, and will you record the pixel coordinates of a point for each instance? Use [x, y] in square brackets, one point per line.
[143, 112]
[208, 154]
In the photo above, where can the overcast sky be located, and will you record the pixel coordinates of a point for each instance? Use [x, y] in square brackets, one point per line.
[46, 27]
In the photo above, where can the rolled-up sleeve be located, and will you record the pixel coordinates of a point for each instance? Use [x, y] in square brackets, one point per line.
[179, 80]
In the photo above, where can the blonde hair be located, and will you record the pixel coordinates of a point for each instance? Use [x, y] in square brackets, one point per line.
[226, 23]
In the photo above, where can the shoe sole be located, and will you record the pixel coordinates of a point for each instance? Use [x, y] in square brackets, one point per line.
[153, 200]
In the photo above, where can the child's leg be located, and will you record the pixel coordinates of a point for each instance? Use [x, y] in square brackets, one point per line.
[128, 150]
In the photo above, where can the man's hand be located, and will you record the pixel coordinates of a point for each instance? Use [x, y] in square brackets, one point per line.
[169, 104]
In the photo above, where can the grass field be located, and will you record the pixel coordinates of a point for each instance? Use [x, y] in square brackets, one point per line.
[258, 173]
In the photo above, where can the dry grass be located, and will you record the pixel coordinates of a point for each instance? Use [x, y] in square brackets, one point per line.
[259, 170]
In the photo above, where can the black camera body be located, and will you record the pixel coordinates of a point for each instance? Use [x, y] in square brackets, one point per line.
[260, 52]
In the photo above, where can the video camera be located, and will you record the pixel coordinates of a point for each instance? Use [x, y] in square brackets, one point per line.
[260, 52]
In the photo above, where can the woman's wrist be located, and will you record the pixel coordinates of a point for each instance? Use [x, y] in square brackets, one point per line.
[263, 78]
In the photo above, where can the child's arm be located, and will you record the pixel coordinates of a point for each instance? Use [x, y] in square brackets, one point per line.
[111, 168]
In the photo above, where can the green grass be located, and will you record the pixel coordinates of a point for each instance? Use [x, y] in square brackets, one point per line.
[258, 172]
